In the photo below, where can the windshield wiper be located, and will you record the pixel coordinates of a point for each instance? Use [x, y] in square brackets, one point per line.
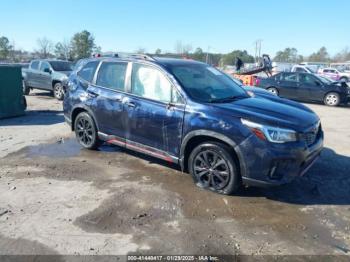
[226, 99]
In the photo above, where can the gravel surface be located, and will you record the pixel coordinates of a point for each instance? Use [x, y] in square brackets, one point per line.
[56, 198]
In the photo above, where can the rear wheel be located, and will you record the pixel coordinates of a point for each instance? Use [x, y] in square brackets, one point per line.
[58, 91]
[212, 167]
[86, 131]
[332, 99]
[273, 90]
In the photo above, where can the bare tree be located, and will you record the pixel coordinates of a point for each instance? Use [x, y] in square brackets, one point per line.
[45, 47]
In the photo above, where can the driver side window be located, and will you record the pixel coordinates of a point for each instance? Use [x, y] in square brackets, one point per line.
[44, 66]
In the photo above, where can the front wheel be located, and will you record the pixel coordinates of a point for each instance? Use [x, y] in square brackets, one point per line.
[86, 131]
[58, 91]
[273, 90]
[332, 99]
[212, 167]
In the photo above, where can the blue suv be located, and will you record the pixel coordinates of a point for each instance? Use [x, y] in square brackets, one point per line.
[189, 113]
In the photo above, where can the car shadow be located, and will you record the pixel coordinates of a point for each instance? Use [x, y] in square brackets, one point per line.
[35, 117]
[326, 183]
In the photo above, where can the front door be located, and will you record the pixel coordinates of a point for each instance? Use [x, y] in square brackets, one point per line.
[310, 88]
[155, 111]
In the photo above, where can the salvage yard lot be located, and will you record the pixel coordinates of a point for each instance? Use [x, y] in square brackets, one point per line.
[56, 198]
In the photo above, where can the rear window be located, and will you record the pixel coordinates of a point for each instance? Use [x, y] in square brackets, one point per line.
[88, 71]
[112, 75]
[34, 65]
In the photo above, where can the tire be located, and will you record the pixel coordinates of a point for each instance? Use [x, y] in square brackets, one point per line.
[204, 166]
[58, 91]
[86, 131]
[273, 90]
[332, 99]
[26, 89]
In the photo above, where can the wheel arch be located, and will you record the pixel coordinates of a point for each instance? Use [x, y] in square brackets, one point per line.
[194, 138]
[77, 110]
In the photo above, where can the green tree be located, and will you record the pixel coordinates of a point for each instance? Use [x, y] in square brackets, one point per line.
[198, 54]
[82, 44]
[158, 51]
[229, 59]
[5, 48]
[320, 56]
[288, 55]
[63, 50]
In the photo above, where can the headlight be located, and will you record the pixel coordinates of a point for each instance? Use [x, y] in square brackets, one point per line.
[272, 134]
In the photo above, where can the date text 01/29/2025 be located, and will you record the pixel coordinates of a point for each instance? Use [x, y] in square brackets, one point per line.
[172, 258]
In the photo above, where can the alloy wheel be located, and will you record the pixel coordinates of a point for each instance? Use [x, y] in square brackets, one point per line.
[211, 169]
[85, 131]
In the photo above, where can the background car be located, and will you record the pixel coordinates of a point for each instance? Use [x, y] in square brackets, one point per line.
[307, 87]
[335, 74]
[50, 75]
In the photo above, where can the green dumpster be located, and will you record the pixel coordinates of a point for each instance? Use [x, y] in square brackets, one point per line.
[12, 101]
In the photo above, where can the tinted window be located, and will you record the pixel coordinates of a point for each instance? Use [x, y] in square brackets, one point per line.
[61, 66]
[299, 69]
[112, 75]
[34, 65]
[278, 77]
[44, 65]
[88, 71]
[150, 83]
[290, 77]
[306, 79]
[206, 83]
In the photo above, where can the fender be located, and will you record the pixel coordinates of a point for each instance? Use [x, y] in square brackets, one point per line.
[203, 132]
[85, 108]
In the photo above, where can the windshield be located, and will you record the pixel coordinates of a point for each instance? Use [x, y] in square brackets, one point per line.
[324, 79]
[61, 66]
[207, 84]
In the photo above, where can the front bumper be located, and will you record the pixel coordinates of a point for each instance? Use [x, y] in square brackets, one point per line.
[268, 164]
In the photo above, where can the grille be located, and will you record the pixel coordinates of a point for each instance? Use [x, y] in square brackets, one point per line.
[311, 136]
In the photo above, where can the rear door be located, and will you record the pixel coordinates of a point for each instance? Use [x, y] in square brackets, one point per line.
[32, 73]
[155, 111]
[44, 78]
[107, 94]
[288, 85]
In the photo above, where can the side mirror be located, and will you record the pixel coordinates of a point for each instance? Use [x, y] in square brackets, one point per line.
[47, 70]
[317, 83]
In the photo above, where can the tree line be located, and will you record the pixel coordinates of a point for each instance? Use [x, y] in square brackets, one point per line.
[82, 45]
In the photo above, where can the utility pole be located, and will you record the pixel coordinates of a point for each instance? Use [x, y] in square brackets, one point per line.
[257, 49]
[207, 56]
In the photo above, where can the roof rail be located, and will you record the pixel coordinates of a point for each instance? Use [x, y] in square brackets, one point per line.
[135, 56]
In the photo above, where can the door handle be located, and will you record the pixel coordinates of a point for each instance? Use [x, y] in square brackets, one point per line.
[130, 104]
[92, 94]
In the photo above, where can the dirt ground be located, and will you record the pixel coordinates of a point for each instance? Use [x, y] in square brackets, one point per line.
[56, 198]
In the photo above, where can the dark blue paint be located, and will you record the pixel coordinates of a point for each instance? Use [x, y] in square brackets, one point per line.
[167, 129]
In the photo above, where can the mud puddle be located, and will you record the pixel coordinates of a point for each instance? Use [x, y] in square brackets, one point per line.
[163, 209]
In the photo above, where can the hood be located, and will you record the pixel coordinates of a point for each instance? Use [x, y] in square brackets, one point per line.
[62, 73]
[272, 111]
